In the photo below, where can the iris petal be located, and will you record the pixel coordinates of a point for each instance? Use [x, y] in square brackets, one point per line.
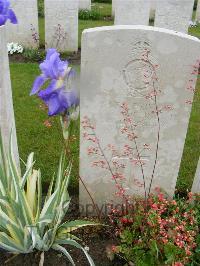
[38, 84]
[48, 91]
[12, 16]
[6, 13]
[2, 20]
[58, 95]
[54, 106]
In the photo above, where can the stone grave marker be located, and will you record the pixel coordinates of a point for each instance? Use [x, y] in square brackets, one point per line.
[85, 4]
[197, 18]
[174, 14]
[26, 32]
[132, 12]
[196, 183]
[153, 9]
[7, 120]
[147, 73]
[61, 24]
[113, 7]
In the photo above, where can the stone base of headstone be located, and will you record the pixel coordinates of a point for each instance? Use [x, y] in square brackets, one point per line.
[7, 120]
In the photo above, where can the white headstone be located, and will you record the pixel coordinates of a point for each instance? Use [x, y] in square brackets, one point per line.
[27, 15]
[196, 182]
[174, 14]
[132, 12]
[198, 12]
[113, 7]
[153, 9]
[85, 4]
[149, 69]
[61, 24]
[7, 120]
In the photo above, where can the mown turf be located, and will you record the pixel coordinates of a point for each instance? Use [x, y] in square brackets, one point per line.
[192, 146]
[32, 134]
[104, 9]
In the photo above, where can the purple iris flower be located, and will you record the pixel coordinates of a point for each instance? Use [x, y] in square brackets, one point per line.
[59, 95]
[6, 13]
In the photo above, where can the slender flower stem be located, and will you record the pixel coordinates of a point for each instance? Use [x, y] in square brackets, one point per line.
[108, 164]
[142, 169]
[68, 152]
[158, 140]
[93, 202]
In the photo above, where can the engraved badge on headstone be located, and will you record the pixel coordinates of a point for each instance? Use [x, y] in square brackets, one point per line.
[138, 72]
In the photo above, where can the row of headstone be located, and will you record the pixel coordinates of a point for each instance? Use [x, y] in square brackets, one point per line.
[135, 109]
[61, 19]
[7, 120]
[61, 23]
[169, 14]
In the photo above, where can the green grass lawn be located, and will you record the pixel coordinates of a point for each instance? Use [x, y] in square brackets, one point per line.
[104, 9]
[47, 142]
[32, 135]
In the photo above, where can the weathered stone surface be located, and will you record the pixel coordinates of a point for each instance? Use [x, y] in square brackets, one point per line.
[27, 15]
[196, 183]
[61, 24]
[198, 12]
[7, 120]
[85, 4]
[149, 69]
[132, 12]
[174, 14]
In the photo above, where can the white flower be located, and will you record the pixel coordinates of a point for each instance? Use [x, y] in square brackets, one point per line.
[192, 23]
[14, 48]
[87, 248]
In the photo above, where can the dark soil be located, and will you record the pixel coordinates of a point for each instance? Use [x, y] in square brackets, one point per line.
[97, 245]
[99, 239]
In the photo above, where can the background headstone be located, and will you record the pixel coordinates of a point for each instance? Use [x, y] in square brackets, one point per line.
[61, 24]
[132, 12]
[27, 15]
[111, 77]
[197, 18]
[174, 14]
[196, 183]
[85, 4]
[7, 120]
[113, 7]
[153, 9]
